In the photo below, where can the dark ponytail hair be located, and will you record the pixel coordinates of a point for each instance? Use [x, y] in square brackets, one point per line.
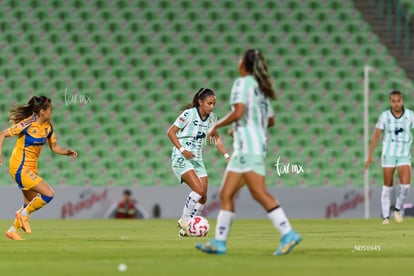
[200, 95]
[255, 64]
[34, 105]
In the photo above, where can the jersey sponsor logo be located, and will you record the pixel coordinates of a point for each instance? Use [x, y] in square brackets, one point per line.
[39, 143]
[28, 121]
[200, 136]
[398, 130]
[33, 176]
[23, 124]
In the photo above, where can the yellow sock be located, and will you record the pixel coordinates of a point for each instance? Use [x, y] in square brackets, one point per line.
[16, 223]
[34, 205]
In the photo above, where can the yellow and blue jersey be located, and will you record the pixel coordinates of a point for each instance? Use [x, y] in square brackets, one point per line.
[31, 136]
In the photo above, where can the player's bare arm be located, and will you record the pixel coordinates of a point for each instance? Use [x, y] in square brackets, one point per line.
[3, 135]
[374, 140]
[59, 150]
[172, 134]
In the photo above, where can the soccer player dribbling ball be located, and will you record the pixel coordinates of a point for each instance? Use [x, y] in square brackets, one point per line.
[396, 123]
[251, 115]
[31, 124]
[188, 135]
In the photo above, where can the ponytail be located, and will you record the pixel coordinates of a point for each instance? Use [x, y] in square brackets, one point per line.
[34, 105]
[255, 64]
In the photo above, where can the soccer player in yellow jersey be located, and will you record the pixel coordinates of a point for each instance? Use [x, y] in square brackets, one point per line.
[31, 124]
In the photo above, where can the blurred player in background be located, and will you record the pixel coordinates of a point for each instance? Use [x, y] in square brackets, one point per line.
[396, 123]
[31, 124]
[127, 208]
[251, 115]
[188, 135]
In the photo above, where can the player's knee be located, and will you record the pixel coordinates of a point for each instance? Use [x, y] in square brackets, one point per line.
[225, 196]
[47, 198]
[203, 200]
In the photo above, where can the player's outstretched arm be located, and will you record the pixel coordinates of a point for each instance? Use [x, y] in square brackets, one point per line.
[270, 122]
[59, 150]
[229, 118]
[215, 139]
[3, 135]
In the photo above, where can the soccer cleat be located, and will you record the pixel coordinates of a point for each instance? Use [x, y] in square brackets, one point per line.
[212, 247]
[288, 242]
[14, 236]
[182, 224]
[182, 233]
[397, 216]
[386, 221]
[24, 222]
[183, 228]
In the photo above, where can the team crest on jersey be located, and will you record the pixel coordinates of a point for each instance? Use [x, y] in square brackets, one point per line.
[179, 163]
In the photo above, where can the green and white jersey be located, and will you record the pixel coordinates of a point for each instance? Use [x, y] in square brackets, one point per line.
[193, 131]
[250, 130]
[397, 133]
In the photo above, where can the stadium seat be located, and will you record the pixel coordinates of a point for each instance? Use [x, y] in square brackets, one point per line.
[140, 61]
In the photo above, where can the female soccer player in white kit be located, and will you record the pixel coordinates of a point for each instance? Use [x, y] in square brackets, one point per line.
[396, 123]
[188, 135]
[251, 115]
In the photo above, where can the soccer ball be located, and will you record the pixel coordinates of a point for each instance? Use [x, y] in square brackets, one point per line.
[198, 227]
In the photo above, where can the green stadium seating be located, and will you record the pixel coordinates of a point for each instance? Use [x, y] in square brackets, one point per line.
[139, 61]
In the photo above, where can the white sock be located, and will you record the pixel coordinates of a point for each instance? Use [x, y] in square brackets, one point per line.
[279, 220]
[386, 201]
[12, 229]
[402, 195]
[24, 212]
[224, 221]
[189, 206]
[198, 209]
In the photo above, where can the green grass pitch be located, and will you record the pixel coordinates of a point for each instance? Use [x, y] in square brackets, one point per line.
[152, 247]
